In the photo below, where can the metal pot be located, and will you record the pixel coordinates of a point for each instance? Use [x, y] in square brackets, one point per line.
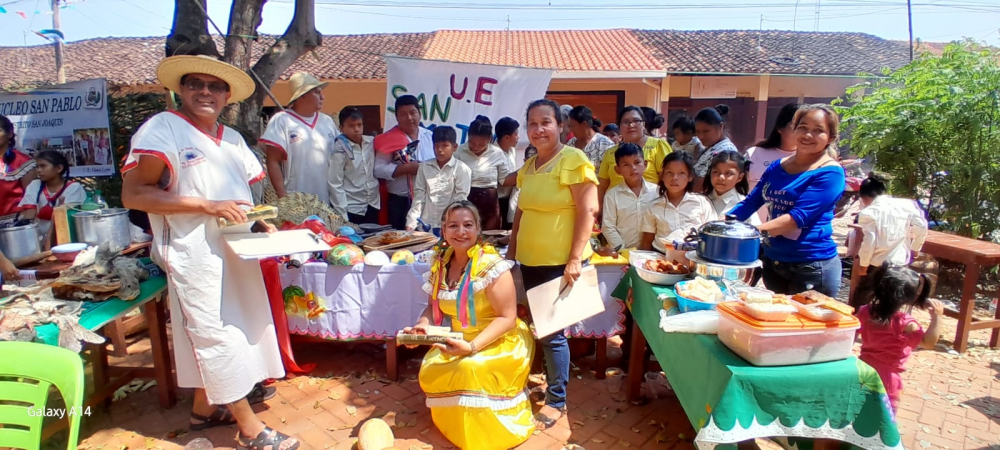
[712, 271]
[103, 225]
[726, 242]
[18, 242]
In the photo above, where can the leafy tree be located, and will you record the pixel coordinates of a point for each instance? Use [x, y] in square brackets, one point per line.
[938, 113]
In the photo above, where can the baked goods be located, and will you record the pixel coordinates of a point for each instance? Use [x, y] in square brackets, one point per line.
[701, 290]
[813, 298]
[664, 266]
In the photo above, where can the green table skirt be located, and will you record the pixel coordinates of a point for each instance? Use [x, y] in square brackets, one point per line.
[729, 400]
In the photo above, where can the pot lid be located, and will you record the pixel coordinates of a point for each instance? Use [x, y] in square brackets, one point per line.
[730, 228]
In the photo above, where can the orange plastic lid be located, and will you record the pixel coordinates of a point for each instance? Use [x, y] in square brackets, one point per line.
[792, 323]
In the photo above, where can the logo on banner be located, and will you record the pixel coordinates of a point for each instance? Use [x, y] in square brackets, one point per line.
[94, 99]
[191, 157]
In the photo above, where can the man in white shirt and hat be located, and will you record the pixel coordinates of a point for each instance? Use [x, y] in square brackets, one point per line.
[186, 170]
[299, 140]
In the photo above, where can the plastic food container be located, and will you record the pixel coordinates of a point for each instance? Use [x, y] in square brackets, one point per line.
[797, 340]
[685, 304]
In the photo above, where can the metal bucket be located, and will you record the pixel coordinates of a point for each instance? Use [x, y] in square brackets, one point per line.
[103, 225]
[18, 242]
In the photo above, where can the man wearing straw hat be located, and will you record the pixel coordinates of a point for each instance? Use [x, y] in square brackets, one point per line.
[299, 140]
[187, 170]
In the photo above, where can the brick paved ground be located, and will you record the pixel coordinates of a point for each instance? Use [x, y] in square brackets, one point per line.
[950, 402]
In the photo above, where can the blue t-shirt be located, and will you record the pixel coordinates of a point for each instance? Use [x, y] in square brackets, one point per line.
[809, 197]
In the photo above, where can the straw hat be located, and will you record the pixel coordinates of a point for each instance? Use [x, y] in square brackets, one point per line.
[173, 68]
[301, 83]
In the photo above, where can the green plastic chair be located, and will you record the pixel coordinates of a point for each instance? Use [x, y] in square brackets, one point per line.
[27, 370]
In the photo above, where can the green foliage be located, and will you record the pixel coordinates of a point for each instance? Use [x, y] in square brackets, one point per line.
[128, 112]
[938, 113]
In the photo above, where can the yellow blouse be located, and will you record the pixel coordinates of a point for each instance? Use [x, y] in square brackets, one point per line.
[654, 152]
[548, 211]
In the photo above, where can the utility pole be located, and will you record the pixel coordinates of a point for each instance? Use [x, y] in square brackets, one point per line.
[60, 70]
[909, 16]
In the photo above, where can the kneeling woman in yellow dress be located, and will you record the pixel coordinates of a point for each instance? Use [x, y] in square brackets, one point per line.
[476, 387]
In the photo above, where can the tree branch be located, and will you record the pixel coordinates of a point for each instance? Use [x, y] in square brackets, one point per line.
[189, 34]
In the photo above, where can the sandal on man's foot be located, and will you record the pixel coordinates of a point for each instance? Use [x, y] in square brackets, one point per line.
[543, 422]
[261, 393]
[221, 417]
[267, 439]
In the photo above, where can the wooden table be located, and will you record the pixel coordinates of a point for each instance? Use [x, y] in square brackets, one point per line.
[976, 255]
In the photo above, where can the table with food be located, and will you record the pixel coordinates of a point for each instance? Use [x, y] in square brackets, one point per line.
[368, 286]
[745, 362]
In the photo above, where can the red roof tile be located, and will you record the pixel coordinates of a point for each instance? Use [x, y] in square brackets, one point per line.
[567, 50]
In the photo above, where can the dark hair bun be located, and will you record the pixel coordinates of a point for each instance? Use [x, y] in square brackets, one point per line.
[723, 109]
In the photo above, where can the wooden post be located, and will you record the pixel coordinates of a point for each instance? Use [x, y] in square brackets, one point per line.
[60, 70]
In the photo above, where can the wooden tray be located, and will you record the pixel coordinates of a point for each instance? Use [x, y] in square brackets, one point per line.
[417, 237]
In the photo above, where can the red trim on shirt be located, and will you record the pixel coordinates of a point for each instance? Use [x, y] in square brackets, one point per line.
[275, 145]
[310, 125]
[217, 139]
[27, 207]
[258, 178]
[155, 154]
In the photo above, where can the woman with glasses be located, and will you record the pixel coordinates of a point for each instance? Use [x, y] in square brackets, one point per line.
[632, 123]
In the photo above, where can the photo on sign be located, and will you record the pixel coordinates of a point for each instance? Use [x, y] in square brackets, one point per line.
[61, 144]
[91, 147]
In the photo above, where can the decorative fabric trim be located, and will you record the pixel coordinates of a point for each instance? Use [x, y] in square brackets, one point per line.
[276, 145]
[475, 399]
[711, 435]
[483, 280]
[19, 172]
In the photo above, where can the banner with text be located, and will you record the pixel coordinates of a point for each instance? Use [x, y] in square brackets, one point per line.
[70, 118]
[453, 94]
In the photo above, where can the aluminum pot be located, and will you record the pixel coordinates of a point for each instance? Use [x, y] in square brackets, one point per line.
[20, 241]
[103, 225]
[713, 271]
[726, 242]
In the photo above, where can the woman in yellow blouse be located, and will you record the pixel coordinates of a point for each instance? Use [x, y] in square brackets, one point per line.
[475, 387]
[551, 235]
[631, 120]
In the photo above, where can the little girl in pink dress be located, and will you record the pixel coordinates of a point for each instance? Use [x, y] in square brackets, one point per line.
[888, 334]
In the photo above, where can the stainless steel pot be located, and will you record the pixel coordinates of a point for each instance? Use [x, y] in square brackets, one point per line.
[103, 225]
[21, 241]
[715, 271]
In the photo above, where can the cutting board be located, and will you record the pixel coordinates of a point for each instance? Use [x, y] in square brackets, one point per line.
[279, 243]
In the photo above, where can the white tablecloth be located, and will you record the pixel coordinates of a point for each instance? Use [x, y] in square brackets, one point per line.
[367, 302]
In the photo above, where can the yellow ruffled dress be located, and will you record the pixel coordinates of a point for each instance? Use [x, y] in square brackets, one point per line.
[479, 401]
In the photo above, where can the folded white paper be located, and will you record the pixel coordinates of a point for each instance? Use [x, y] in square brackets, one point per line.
[279, 243]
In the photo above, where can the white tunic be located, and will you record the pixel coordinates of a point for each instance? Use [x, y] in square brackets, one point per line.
[224, 338]
[307, 144]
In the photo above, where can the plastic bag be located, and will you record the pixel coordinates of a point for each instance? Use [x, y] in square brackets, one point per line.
[316, 226]
[696, 322]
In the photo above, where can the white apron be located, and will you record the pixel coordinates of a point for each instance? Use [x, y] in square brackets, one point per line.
[224, 338]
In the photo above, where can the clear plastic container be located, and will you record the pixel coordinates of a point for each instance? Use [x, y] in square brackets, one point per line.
[797, 340]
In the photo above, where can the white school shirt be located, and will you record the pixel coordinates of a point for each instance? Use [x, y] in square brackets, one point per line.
[306, 143]
[384, 165]
[726, 202]
[507, 192]
[352, 183]
[892, 227]
[669, 223]
[487, 169]
[224, 338]
[623, 212]
[437, 187]
[74, 193]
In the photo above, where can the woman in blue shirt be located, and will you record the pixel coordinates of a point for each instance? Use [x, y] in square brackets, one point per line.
[801, 192]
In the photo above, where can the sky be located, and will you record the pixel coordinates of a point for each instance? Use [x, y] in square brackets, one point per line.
[933, 20]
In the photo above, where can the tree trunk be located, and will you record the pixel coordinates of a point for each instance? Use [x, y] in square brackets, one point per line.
[189, 34]
[244, 18]
[300, 38]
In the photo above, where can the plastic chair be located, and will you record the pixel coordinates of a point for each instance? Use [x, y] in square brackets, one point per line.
[27, 370]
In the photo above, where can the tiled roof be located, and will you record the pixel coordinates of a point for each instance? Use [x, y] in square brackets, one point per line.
[566, 50]
[788, 52]
[132, 61]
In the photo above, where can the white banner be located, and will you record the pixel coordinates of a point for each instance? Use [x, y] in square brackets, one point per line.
[71, 118]
[453, 94]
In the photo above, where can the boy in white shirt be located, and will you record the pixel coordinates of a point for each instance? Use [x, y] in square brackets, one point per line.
[353, 188]
[440, 182]
[624, 203]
